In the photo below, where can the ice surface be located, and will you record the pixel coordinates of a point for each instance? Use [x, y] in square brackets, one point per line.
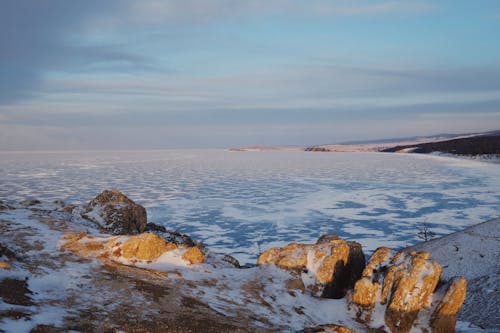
[244, 203]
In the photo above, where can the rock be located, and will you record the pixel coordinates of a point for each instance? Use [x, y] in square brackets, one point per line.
[444, 317]
[113, 212]
[328, 329]
[327, 269]
[150, 226]
[193, 255]
[174, 236]
[356, 262]
[327, 238]
[30, 202]
[412, 288]
[217, 260]
[366, 293]
[4, 265]
[231, 260]
[400, 286]
[183, 239]
[145, 246]
[59, 203]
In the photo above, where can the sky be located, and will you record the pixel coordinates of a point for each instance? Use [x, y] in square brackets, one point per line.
[152, 74]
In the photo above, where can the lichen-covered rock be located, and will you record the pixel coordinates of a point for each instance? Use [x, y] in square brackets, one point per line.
[412, 290]
[146, 247]
[193, 255]
[328, 329]
[114, 213]
[445, 313]
[366, 293]
[326, 269]
[400, 286]
[4, 265]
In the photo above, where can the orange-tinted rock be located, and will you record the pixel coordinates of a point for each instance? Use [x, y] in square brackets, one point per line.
[445, 314]
[4, 265]
[270, 256]
[379, 258]
[326, 268]
[293, 256]
[193, 255]
[145, 246]
[365, 293]
[412, 290]
[388, 280]
[403, 285]
[453, 298]
[413, 287]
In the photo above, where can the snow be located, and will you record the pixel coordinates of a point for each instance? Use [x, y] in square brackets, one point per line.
[471, 253]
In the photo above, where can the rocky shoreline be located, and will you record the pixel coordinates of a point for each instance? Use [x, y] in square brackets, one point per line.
[103, 267]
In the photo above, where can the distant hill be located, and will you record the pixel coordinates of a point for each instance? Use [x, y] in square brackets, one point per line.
[442, 136]
[484, 144]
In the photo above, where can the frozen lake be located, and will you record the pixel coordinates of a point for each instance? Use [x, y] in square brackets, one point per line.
[244, 203]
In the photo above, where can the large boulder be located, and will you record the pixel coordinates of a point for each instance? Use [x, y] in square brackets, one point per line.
[400, 286]
[114, 213]
[327, 269]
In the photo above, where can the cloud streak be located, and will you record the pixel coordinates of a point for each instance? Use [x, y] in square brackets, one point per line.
[168, 11]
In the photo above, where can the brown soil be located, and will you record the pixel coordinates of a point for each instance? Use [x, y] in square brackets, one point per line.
[15, 292]
[110, 297]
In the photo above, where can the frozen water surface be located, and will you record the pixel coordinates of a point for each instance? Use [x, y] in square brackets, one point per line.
[244, 203]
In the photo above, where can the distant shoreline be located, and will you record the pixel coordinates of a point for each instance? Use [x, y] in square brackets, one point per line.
[483, 147]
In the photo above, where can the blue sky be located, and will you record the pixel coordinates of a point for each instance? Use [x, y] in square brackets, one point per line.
[201, 74]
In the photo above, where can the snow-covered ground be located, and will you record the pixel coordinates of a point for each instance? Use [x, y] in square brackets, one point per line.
[61, 286]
